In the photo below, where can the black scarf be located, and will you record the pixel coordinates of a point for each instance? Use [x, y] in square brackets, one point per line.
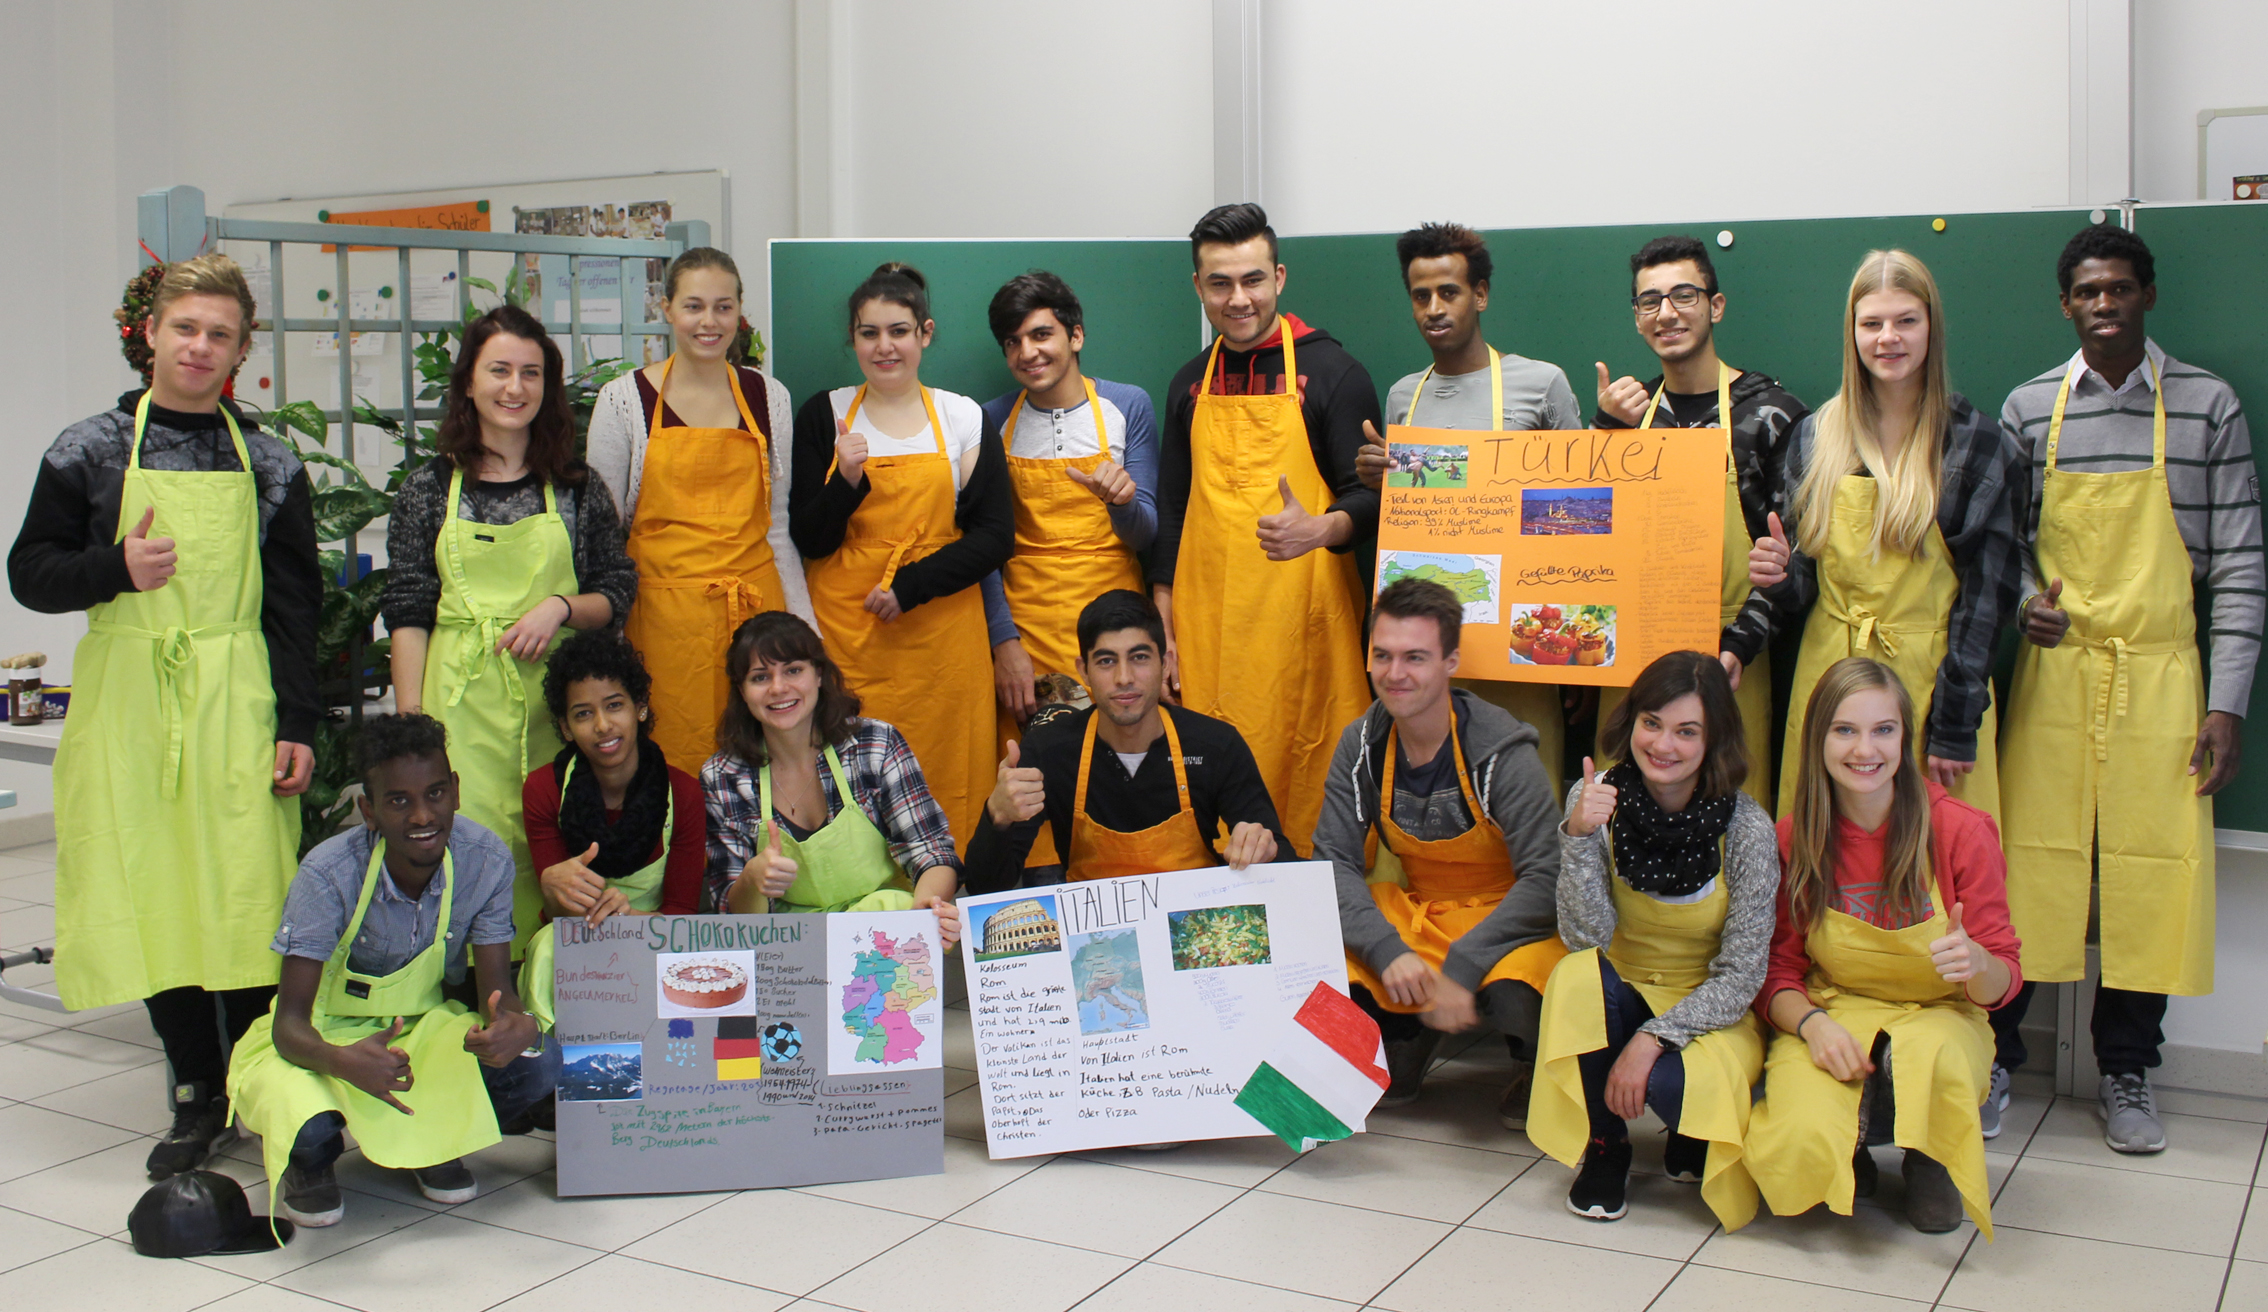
[628, 844]
[1659, 853]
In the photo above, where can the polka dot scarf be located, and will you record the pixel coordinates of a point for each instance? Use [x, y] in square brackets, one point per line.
[1658, 852]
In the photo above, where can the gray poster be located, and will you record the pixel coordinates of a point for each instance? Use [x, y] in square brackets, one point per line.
[697, 1051]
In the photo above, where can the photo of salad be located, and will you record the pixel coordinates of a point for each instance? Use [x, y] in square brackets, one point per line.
[1551, 634]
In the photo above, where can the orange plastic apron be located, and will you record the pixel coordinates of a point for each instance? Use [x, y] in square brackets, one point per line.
[1454, 884]
[701, 542]
[1273, 647]
[927, 671]
[1174, 843]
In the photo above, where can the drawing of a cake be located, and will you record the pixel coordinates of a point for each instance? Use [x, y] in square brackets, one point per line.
[704, 982]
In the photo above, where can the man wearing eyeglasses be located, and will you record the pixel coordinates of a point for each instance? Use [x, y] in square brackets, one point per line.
[1677, 306]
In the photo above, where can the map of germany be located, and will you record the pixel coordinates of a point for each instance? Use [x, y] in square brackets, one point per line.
[888, 983]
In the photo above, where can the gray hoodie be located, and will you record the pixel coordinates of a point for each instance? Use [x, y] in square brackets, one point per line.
[1508, 777]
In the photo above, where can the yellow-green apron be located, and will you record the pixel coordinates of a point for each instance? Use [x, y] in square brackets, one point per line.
[492, 702]
[274, 1098]
[845, 865]
[642, 886]
[172, 851]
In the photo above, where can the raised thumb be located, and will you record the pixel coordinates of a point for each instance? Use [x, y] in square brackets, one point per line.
[2054, 591]
[142, 530]
[591, 855]
[1283, 488]
[1772, 524]
[1603, 380]
[1590, 772]
[1015, 754]
[1370, 434]
[1957, 919]
[771, 835]
[1078, 475]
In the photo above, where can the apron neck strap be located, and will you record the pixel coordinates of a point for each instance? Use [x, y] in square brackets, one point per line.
[764, 786]
[457, 492]
[235, 435]
[936, 430]
[1724, 398]
[1087, 760]
[1094, 409]
[1457, 750]
[376, 871]
[2157, 412]
[1495, 393]
[1291, 362]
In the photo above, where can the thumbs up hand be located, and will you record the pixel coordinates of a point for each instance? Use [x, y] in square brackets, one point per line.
[850, 454]
[1018, 792]
[1623, 399]
[571, 887]
[1768, 559]
[1594, 805]
[2044, 622]
[149, 561]
[1111, 485]
[1370, 459]
[1958, 957]
[772, 869]
[1291, 532]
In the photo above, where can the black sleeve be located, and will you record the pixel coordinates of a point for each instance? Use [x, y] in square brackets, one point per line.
[413, 534]
[291, 609]
[602, 556]
[1173, 478]
[62, 560]
[819, 504]
[1334, 433]
[1240, 794]
[995, 859]
[986, 512]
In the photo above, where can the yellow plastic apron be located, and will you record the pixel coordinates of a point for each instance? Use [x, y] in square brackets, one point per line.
[1067, 554]
[1100, 852]
[928, 672]
[1754, 696]
[1273, 647]
[845, 865]
[702, 544]
[1873, 981]
[1897, 609]
[643, 888]
[492, 701]
[1533, 704]
[1663, 950]
[274, 1098]
[2103, 726]
[173, 852]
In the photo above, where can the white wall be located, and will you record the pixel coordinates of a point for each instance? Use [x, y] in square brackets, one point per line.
[2191, 55]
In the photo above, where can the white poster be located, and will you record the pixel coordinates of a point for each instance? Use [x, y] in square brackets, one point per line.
[890, 1009]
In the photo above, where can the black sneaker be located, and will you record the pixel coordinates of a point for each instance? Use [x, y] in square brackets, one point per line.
[1406, 1062]
[450, 1182]
[201, 1125]
[542, 1115]
[1602, 1188]
[1933, 1204]
[1684, 1159]
[1865, 1175]
[310, 1196]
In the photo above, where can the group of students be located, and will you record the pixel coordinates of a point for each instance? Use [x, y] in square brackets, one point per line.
[810, 629]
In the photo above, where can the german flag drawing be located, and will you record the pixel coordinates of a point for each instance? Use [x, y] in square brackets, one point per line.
[738, 1048]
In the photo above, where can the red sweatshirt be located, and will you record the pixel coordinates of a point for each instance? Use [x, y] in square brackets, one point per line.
[1964, 850]
[688, 837]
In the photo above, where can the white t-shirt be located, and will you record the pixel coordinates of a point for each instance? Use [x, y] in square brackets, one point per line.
[962, 417]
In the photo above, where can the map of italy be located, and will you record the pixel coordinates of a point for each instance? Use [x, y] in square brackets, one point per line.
[888, 982]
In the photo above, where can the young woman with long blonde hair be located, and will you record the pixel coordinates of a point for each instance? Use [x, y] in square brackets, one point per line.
[1892, 942]
[1900, 537]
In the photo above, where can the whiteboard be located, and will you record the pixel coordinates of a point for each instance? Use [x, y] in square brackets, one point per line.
[2231, 143]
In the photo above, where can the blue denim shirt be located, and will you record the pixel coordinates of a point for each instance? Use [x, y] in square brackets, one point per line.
[395, 929]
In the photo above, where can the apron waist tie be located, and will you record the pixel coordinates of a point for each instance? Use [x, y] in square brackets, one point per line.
[2111, 698]
[1869, 629]
[488, 632]
[175, 655]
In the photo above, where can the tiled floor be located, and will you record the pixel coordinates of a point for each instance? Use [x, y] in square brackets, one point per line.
[1435, 1210]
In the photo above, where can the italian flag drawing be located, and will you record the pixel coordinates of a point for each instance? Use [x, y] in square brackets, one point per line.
[1324, 1075]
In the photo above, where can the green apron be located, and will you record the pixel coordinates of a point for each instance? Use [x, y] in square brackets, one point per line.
[845, 865]
[491, 575]
[642, 886]
[173, 852]
[274, 1098]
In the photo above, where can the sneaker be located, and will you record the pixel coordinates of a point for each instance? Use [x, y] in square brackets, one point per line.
[310, 1196]
[539, 1115]
[2130, 1114]
[1933, 1205]
[449, 1182]
[1683, 1159]
[1512, 1108]
[1865, 1175]
[201, 1124]
[1602, 1188]
[1406, 1061]
[1995, 1102]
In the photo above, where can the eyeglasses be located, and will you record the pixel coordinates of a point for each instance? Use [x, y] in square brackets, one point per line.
[1684, 296]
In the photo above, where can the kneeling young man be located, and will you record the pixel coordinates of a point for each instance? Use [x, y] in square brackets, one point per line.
[362, 1036]
[1451, 787]
[1127, 786]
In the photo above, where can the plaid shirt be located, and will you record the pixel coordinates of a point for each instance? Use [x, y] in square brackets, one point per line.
[1979, 505]
[885, 780]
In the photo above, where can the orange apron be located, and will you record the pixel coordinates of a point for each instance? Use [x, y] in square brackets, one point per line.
[701, 542]
[1174, 843]
[1067, 554]
[1454, 884]
[925, 671]
[1273, 647]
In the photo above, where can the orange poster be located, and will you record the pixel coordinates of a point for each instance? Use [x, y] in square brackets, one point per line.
[458, 216]
[1580, 556]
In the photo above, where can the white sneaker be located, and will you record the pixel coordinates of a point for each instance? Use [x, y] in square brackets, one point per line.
[1995, 1102]
[2130, 1114]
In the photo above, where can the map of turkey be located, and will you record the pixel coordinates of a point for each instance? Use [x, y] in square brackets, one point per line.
[888, 982]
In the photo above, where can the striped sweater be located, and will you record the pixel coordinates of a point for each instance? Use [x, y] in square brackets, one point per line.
[2209, 475]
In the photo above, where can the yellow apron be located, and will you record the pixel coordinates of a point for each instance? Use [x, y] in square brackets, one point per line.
[1174, 843]
[927, 672]
[643, 887]
[1273, 647]
[701, 542]
[1067, 554]
[1754, 696]
[1533, 704]
[2103, 725]
[1663, 950]
[173, 852]
[1871, 981]
[491, 701]
[1896, 609]
[274, 1098]
[1453, 885]
[845, 865]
